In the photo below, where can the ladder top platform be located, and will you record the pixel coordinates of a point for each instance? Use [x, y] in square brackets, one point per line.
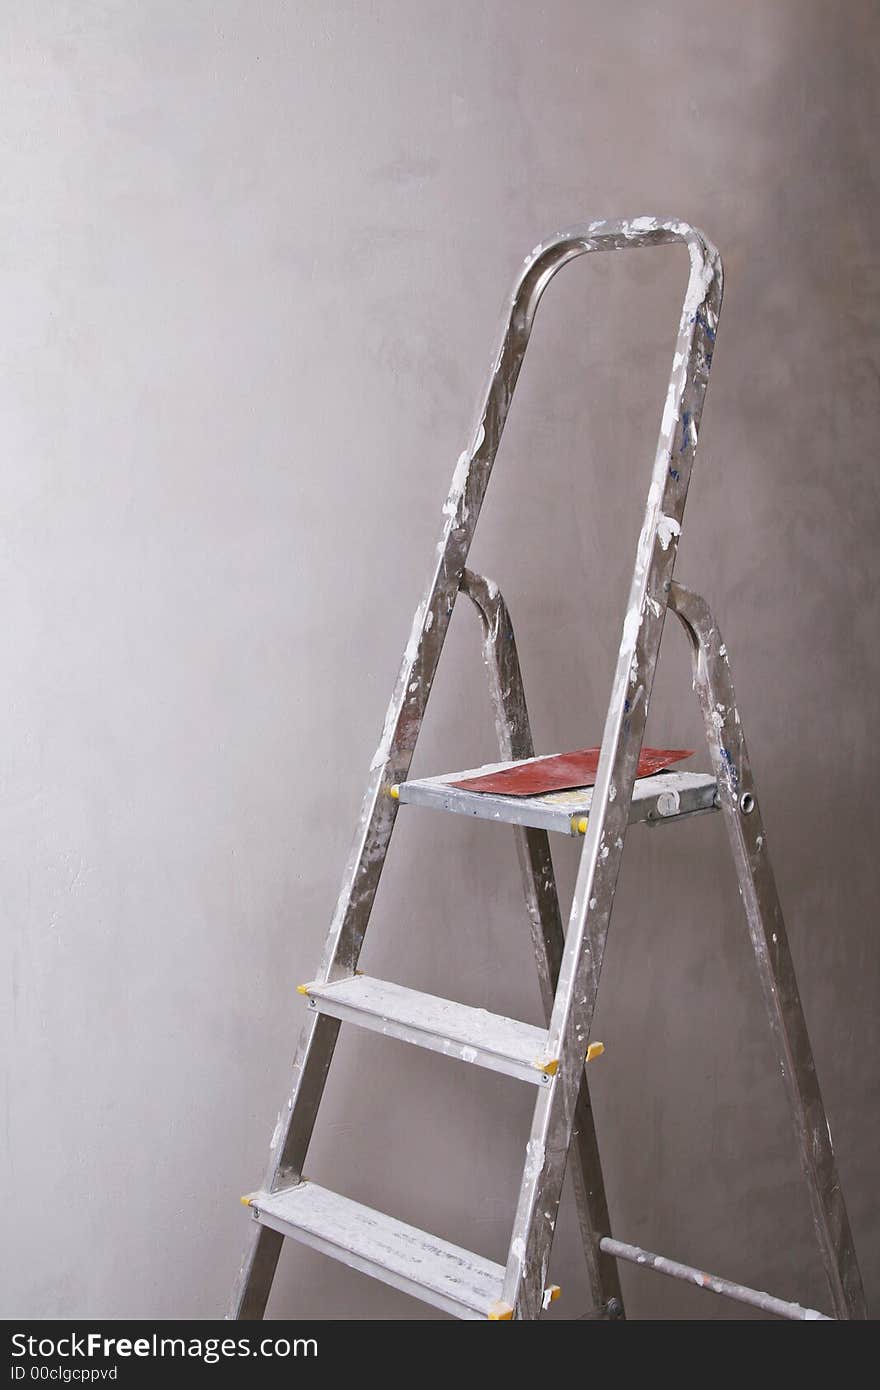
[662, 797]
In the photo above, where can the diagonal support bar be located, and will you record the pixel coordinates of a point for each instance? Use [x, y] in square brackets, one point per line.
[542, 903]
[757, 886]
[712, 1283]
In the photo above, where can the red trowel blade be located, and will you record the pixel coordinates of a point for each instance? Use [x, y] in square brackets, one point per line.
[563, 772]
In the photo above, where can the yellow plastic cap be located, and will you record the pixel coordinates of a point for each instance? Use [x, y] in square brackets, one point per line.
[595, 1050]
[500, 1312]
[245, 1201]
[550, 1068]
[394, 793]
[302, 989]
[554, 1292]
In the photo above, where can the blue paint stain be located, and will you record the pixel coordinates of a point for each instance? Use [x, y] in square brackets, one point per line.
[685, 429]
[707, 329]
[674, 473]
[626, 706]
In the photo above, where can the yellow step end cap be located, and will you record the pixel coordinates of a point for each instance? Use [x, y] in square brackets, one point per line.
[394, 793]
[500, 1312]
[554, 1292]
[246, 1201]
[302, 989]
[549, 1068]
[595, 1050]
[579, 825]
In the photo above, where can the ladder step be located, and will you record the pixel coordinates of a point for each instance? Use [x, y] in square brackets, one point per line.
[444, 1275]
[472, 1035]
[662, 798]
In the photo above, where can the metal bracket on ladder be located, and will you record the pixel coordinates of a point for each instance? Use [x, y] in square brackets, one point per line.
[569, 964]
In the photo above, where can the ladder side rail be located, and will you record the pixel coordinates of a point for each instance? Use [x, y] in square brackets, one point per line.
[757, 886]
[569, 1030]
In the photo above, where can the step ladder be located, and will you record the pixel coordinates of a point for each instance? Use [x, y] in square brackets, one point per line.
[569, 962]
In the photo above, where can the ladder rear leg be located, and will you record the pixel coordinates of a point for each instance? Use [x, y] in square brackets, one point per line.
[757, 886]
[254, 1282]
[542, 901]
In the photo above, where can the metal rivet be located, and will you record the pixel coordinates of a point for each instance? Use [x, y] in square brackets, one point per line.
[747, 803]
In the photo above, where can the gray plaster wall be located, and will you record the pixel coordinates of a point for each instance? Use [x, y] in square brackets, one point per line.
[251, 261]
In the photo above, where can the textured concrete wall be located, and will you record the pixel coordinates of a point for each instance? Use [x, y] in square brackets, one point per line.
[252, 257]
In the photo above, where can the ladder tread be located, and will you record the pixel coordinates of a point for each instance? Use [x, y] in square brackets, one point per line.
[662, 797]
[441, 1025]
[432, 1269]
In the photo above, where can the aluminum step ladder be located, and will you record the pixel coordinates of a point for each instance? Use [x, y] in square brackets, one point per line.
[569, 963]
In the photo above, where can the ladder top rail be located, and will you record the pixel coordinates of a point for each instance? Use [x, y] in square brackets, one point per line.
[701, 303]
[620, 234]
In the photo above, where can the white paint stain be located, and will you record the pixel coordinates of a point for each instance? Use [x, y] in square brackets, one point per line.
[631, 624]
[670, 413]
[457, 486]
[667, 527]
[700, 279]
